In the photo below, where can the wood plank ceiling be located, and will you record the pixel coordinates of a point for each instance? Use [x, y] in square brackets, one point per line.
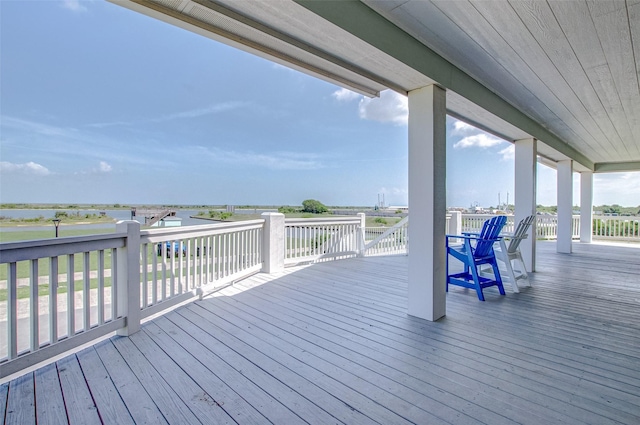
[572, 65]
[566, 72]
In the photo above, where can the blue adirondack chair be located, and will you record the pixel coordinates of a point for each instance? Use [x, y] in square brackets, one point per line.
[476, 251]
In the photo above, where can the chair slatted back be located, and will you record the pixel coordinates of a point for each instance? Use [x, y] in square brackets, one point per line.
[489, 234]
[520, 233]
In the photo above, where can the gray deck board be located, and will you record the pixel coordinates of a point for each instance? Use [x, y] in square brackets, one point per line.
[21, 402]
[79, 403]
[235, 390]
[136, 398]
[50, 408]
[332, 343]
[173, 408]
[105, 395]
[308, 398]
[4, 392]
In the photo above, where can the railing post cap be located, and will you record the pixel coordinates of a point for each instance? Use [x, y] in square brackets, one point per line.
[271, 214]
[123, 225]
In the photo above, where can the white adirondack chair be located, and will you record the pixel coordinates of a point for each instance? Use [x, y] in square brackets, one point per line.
[511, 253]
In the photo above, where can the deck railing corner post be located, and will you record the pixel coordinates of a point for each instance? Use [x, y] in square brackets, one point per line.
[128, 277]
[274, 239]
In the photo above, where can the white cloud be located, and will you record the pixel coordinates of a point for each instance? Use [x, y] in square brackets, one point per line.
[74, 5]
[105, 167]
[481, 140]
[617, 188]
[345, 95]
[460, 127]
[508, 153]
[274, 161]
[208, 110]
[395, 195]
[389, 107]
[27, 168]
[192, 113]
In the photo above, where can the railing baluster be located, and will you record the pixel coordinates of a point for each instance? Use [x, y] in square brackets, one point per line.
[86, 292]
[172, 277]
[144, 257]
[154, 273]
[225, 237]
[71, 286]
[203, 254]
[209, 257]
[53, 300]
[33, 308]
[234, 252]
[101, 287]
[12, 310]
[182, 252]
[188, 284]
[163, 283]
[115, 313]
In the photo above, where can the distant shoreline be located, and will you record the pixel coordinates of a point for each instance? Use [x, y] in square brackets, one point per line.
[62, 206]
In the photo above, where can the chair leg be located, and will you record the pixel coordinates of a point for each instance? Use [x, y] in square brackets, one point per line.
[447, 270]
[523, 273]
[476, 280]
[498, 279]
[510, 272]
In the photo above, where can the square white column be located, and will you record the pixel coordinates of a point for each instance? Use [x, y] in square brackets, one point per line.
[427, 202]
[586, 207]
[526, 171]
[565, 206]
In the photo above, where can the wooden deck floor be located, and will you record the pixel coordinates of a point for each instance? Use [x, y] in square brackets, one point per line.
[331, 343]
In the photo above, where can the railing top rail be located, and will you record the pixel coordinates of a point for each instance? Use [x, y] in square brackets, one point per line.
[28, 250]
[321, 221]
[161, 234]
[617, 217]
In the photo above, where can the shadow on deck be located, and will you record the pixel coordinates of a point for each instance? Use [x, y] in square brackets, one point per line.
[332, 343]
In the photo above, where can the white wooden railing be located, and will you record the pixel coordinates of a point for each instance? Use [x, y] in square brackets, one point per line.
[312, 239]
[387, 240]
[180, 263]
[41, 326]
[62, 293]
[617, 228]
[546, 225]
[119, 279]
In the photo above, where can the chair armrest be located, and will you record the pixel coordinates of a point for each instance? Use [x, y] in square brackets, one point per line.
[474, 237]
[510, 236]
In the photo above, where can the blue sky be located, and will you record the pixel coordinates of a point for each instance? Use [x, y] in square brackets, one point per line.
[100, 104]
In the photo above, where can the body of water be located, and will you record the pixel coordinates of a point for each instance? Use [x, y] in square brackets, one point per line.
[118, 215]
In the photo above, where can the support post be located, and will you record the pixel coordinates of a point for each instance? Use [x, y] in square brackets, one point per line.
[586, 207]
[273, 247]
[526, 170]
[455, 223]
[361, 234]
[565, 206]
[128, 275]
[427, 202]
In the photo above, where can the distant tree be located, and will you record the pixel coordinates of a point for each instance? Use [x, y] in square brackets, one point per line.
[285, 209]
[313, 206]
[611, 209]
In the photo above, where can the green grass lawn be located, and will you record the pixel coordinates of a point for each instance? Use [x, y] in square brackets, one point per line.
[43, 290]
[47, 232]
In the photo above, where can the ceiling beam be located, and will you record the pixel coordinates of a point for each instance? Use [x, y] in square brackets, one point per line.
[363, 22]
[612, 167]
